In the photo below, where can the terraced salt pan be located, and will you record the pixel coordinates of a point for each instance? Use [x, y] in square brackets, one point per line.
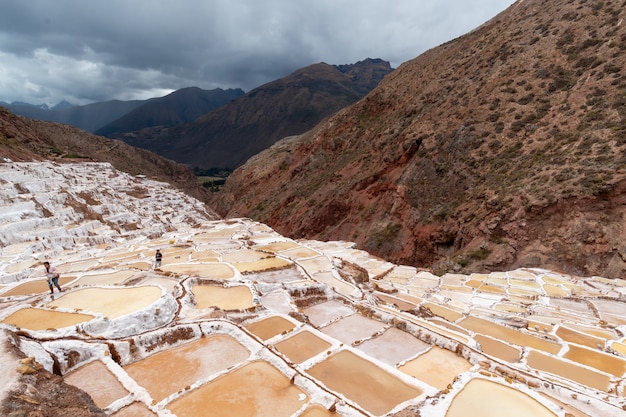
[205, 270]
[237, 297]
[136, 409]
[393, 346]
[170, 371]
[489, 399]
[302, 346]
[361, 381]
[254, 389]
[35, 287]
[437, 367]
[353, 329]
[40, 319]
[270, 327]
[521, 304]
[96, 380]
[110, 302]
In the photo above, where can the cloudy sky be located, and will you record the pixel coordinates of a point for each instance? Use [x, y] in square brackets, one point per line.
[96, 50]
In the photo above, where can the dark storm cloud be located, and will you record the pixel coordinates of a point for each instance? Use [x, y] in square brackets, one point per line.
[98, 50]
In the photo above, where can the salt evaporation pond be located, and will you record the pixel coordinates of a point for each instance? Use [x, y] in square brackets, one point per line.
[240, 320]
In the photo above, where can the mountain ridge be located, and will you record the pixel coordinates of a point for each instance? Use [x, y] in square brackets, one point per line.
[228, 136]
[459, 157]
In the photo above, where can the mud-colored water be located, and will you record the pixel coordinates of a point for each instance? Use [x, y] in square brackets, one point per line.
[324, 313]
[36, 287]
[262, 265]
[169, 371]
[611, 364]
[393, 346]
[489, 399]
[111, 302]
[255, 390]
[498, 349]
[507, 334]
[238, 297]
[110, 278]
[444, 312]
[584, 376]
[302, 346]
[573, 336]
[270, 327]
[134, 410]
[39, 319]
[277, 247]
[353, 328]
[96, 380]
[438, 367]
[300, 253]
[317, 411]
[399, 303]
[372, 388]
[206, 270]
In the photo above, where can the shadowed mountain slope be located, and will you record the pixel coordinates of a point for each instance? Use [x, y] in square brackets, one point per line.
[184, 105]
[88, 117]
[228, 136]
[503, 148]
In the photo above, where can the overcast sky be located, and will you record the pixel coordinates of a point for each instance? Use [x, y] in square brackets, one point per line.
[96, 50]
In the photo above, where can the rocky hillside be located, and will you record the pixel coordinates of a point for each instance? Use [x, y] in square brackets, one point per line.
[23, 139]
[503, 148]
[228, 136]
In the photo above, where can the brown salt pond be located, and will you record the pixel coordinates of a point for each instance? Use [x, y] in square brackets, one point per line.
[238, 297]
[300, 253]
[276, 247]
[573, 336]
[257, 389]
[438, 367]
[498, 349]
[353, 328]
[270, 327]
[610, 364]
[317, 411]
[399, 303]
[110, 278]
[447, 313]
[40, 319]
[361, 381]
[111, 302]
[96, 380]
[485, 398]
[35, 287]
[324, 313]
[169, 371]
[393, 346]
[480, 326]
[262, 265]
[302, 346]
[207, 270]
[568, 370]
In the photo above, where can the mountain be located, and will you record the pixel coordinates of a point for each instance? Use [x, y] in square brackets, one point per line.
[184, 105]
[88, 117]
[503, 148]
[228, 136]
[23, 139]
[114, 116]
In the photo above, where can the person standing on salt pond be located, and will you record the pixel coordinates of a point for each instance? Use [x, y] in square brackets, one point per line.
[158, 256]
[53, 277]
